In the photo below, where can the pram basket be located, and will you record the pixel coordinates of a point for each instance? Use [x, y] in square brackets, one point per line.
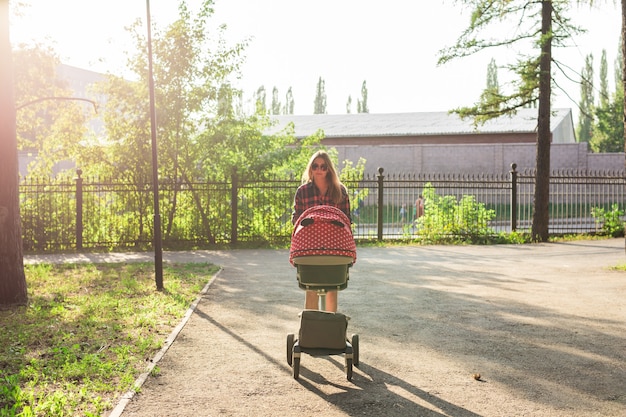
[322, 249]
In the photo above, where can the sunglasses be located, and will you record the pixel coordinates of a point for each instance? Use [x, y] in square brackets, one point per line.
[323, 167]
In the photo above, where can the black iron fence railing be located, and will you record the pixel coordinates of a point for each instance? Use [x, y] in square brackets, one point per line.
[77, 213]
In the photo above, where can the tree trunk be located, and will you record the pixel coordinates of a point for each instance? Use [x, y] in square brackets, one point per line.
[624, 79]
[541, 215]
[624, 70]
[12, 278]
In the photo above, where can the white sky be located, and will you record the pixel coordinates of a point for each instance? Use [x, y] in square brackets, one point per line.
[393, 45]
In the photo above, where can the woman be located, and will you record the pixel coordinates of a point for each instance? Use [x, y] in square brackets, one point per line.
[320, 186]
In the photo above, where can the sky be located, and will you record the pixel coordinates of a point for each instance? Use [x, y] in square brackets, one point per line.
[392, 45]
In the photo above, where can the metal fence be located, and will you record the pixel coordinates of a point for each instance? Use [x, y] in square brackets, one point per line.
[76, 213]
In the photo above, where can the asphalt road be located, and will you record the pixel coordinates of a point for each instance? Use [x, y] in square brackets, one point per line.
[544, 324]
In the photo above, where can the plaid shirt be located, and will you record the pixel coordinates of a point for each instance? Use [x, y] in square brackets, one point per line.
[308, 196]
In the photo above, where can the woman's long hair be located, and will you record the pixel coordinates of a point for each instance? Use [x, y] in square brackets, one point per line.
[335, 187]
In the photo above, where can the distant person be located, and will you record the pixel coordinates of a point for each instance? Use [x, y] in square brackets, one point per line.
[419, 207]
[357, 210]
[403, 214]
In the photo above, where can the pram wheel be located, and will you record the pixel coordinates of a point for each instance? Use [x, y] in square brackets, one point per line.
[355, 349]
[290, 342]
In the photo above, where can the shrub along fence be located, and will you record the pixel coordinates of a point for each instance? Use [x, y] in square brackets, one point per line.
[77, 213]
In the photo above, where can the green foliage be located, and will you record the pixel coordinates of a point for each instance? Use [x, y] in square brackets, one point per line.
[611, 221]
[275, 101]
[539, 26]
[48, 122]
[517, 238]
[352, 174]
[585, 121]
[361, 104]
[289, 102]
[192, 73]
[260, 98]
[491, 96]
[608, 133]
[320, 98]
[445, 217]
[608, 125]
[526, 17]
[200, 134]
[620, 267]
[47, 214]
[604, 81]
[84, 337]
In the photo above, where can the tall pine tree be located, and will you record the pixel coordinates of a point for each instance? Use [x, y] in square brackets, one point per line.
[546, 24]
[289, 102]
[491, 94]
[585, 120]
[604, 82]
[608, 129]
[320, 98]
[275, 101]
[260, 99]
[362, 106]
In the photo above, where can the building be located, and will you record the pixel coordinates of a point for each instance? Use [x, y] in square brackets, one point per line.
[438, 128]
[438, 142]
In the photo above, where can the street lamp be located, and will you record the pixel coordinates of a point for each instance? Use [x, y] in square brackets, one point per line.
[158, 246]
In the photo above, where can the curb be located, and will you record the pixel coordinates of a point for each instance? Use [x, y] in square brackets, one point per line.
[128, 396]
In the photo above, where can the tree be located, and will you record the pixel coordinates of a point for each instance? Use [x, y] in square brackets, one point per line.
[623, 66]
[604, 81]
[491, 93]
[201, 135]
[608, 133]
[543, 24]
[608, 129]
[320, 98]
[619, 69]
[541, 215]
[289, 102]
[492, 77]
[192, 74]
[260, 99]
[13, 289]
[349, 105]
[275, 101]
[608, 124]
[623, 78]
[585, 120]
[50, 123]
[620, 87]
[361, 104]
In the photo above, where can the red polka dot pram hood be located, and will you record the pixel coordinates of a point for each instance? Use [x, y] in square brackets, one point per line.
[322, 230]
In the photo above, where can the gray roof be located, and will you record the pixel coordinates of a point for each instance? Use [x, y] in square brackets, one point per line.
[411, 124]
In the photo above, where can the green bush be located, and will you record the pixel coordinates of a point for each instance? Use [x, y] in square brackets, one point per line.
[610, 221]
[445, 217]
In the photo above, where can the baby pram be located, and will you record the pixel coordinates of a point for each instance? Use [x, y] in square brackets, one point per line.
[322, 250]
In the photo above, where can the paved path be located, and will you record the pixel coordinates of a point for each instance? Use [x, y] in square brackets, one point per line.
[545, 325]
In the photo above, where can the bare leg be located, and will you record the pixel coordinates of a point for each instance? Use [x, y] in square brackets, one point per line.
[331, 301]
[311, 301]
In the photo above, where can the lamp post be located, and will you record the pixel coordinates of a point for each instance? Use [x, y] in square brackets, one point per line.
[158, 247]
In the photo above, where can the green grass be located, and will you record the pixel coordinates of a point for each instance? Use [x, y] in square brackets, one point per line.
[87, 333]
